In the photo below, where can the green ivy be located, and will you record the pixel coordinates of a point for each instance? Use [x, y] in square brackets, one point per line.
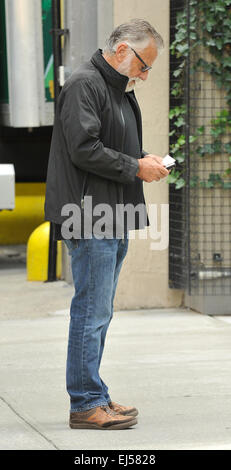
[209, 27]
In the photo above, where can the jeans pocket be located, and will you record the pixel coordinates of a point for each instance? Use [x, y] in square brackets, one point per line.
[71, 245]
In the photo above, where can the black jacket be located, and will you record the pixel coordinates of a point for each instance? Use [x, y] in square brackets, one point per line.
[86, 154]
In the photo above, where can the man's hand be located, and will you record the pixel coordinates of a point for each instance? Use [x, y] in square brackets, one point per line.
[155, 157]
[151, 168]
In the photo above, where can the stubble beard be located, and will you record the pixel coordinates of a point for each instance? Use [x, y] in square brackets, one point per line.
[132, 83]
[124, 68]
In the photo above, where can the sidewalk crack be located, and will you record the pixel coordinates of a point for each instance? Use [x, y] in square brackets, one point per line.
[28, 422]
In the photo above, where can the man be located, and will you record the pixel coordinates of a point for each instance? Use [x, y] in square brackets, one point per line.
[96, 155]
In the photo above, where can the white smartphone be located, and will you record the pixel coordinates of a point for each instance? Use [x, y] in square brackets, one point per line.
[169, 162]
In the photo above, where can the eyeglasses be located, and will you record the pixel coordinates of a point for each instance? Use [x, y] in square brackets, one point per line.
[146, 67]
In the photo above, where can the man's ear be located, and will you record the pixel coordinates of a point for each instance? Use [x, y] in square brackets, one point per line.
[121, 51]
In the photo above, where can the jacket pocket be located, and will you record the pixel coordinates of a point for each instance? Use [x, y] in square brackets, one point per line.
[103, 191]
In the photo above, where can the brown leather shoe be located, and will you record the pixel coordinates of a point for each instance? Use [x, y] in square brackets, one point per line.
[123, 410]
[101, 417]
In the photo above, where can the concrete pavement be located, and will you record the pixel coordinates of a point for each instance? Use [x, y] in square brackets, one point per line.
[172, 364]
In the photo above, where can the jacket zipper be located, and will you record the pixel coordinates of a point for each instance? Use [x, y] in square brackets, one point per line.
[123, 122]
[83, 191]
[123, 136]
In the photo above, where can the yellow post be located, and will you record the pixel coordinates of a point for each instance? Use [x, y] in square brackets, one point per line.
[38, 254]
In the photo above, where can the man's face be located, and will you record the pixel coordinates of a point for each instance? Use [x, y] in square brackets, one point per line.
[132, 67]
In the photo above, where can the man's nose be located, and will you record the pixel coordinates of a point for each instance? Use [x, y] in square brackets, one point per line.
[144, 75]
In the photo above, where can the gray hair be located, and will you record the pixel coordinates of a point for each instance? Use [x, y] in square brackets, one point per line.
[136, 32]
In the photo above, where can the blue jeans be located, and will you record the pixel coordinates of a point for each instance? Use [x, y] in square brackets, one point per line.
[96, 265]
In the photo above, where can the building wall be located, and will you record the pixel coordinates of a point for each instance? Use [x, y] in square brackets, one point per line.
[143, 280]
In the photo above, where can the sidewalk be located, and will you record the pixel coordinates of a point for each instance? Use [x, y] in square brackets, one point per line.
[173, 365]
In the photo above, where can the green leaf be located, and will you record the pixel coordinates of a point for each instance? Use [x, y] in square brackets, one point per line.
[210, 23]
[180, 157]
[219, 44]
[192, 138]
[223, 113]
[181, 34]
[176, 89]
[209, 149]
[227, 61]
[181, 141]
[209, 184]
[227, 185]
[177, 111]
[173, 176]
[216, 131]
[193, 36]
[211, 42]
[179, 122]
[206, 184]
[215, 178]
[182, 48]
[219, 7]
[193, 181]
[180, 183]
[202, 184]
[217, 147]
[201, 130]
[227, 22]
[177, 72]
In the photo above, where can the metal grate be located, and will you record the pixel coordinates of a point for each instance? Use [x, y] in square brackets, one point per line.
[200, 212]
[177, 198]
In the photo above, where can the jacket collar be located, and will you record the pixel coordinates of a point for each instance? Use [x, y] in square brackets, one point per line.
[116, 79]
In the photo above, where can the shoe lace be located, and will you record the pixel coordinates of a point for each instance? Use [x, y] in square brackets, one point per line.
[108, 410]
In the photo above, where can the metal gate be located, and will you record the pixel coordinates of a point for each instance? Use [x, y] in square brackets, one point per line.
[200, 139]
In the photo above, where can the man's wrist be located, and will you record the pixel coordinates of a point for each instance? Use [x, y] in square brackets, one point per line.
[139, 165]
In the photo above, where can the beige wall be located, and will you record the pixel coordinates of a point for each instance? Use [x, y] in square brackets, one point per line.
[143, 280]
